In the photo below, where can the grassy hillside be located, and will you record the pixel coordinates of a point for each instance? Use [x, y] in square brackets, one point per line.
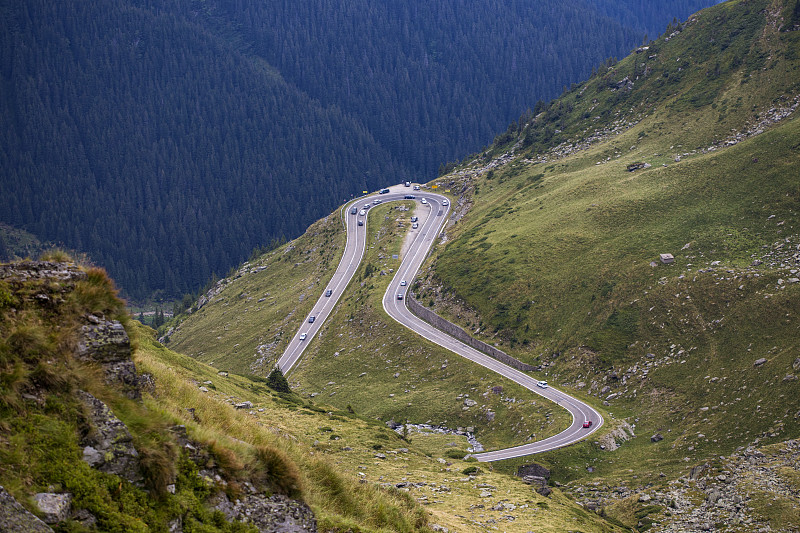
[353, 362]
[351, 465]
[354, 472]
[558, 261]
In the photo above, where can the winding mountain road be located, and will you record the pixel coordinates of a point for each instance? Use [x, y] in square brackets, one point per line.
[396, 308]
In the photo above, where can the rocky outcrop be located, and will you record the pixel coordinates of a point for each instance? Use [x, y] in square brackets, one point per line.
[25, 271]
[108, 446]
[268, 514]
[14, 517]
[621, 433]
[107, 343]
[537, 476]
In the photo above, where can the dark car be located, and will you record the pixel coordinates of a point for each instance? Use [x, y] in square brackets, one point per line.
[409, 196]
[384, 191]
[328, 292]
[587, 424]
[399, 296]
[353, 210]
[311, 319]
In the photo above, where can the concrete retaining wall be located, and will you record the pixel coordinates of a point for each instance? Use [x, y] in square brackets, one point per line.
[451, 329]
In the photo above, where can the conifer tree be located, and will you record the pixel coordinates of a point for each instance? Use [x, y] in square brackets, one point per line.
[277, 381]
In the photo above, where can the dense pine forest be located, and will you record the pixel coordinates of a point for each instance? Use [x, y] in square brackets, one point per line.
[168, 139]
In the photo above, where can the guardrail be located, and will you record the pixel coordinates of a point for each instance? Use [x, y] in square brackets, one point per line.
[451, 329]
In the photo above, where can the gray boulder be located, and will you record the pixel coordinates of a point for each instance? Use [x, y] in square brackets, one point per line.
[657, 437]
[54, 507]
[14, 517]
[533, 469]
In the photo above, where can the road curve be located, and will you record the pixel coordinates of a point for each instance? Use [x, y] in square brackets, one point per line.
[397, 309]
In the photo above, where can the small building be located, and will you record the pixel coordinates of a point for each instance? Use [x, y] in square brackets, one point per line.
[667, 259]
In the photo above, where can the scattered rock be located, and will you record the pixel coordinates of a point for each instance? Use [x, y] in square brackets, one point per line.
[469, 402]
[759, 362]
[244, 405]
[657, 437]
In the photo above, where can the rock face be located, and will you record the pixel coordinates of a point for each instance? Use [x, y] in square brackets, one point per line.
[109, 445]
[107, 343]
[43, 271]
[14, 517]
[54, 507]
[623, 432]
[268, 514]
[535, 475]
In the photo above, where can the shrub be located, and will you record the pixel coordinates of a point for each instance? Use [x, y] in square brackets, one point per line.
[279, 471]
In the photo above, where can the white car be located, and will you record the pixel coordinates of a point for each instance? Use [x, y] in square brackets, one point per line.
[424, 201]
[403, 283]
[542, 384]
[415, 225]
[302, 336]
[416, 187]
[445, 202]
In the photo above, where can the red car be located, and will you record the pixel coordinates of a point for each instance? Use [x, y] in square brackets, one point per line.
[587, 424]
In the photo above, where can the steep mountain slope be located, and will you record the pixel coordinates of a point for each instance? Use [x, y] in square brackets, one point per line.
[689, 147]
[198, 131]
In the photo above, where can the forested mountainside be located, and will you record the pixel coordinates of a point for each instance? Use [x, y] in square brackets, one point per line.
[169, 139]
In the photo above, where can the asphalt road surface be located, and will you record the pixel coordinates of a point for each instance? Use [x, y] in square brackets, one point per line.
[394, 302]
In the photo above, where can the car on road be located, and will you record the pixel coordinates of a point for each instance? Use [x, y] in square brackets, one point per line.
[414, 219]
[407, 184]
[366, 206]
[302, 336]
[542, 384]
[416, 187]
[587, 424]
[328, 292]
[311, 319]
[376, 201]
[362, 213]
[399, 296]
[445, 202]
[353, 210]
[424, 201]
[403, 283]
[360, 222]
[384, 191]
[415, 225]
[409, 197]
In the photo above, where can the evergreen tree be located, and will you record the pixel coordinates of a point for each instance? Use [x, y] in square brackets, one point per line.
[277, 381]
